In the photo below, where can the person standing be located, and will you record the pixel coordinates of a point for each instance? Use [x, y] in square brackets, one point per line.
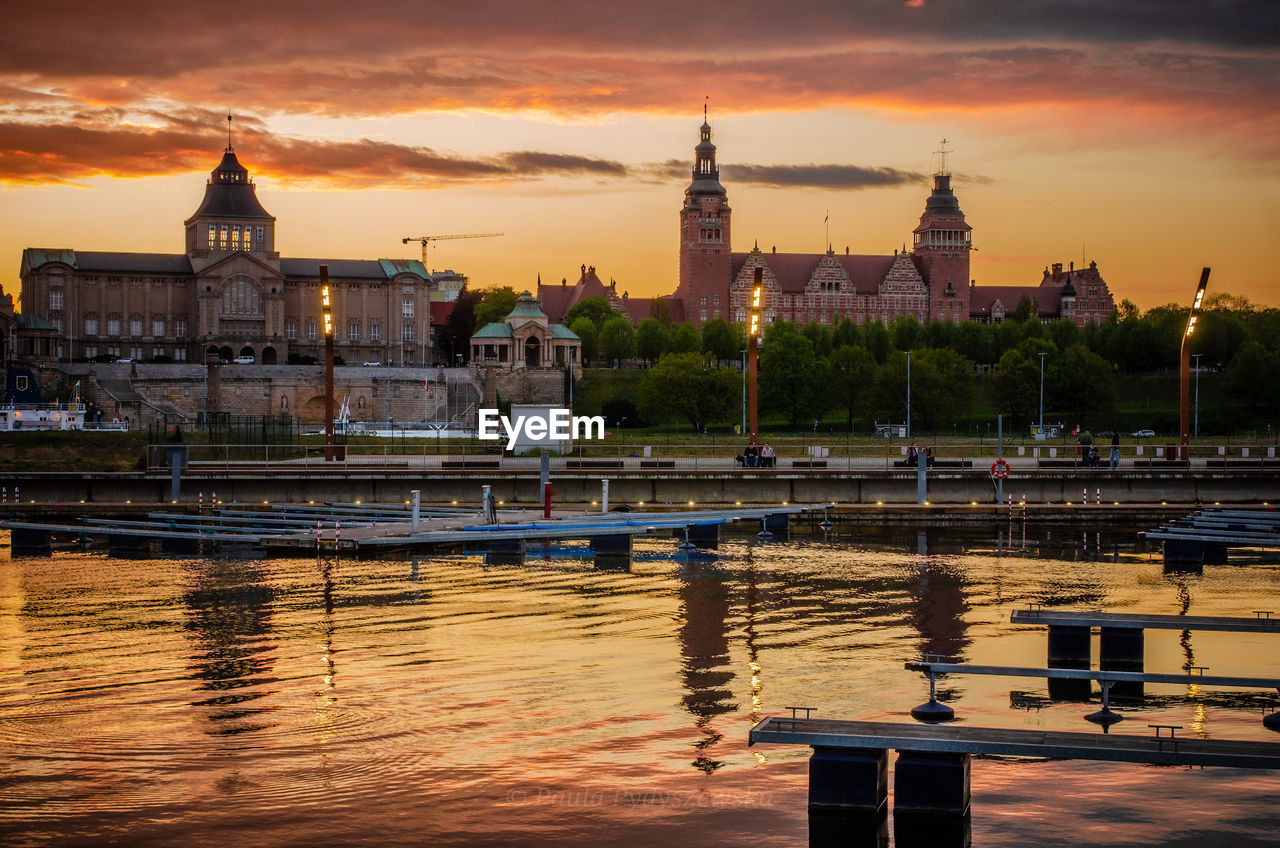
[1115, 449]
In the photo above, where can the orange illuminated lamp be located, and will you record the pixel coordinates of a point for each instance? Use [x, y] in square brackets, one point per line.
[753, 344]
[1184, 407]
[327, 310]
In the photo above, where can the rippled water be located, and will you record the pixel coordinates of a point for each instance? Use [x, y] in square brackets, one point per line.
[441, 701]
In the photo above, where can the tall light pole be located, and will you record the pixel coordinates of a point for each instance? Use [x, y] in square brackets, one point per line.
[744, 391]
[1184, 383]
[1040, 427]
[328, 362]
[908, 394]
[753, 345]
[1196, 426]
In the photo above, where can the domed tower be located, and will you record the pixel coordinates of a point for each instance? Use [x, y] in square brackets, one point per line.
[230, 218]
[705, 261]
[941, 248]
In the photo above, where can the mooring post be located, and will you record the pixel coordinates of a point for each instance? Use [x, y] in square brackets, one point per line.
[488, 505]
[415, 498]
[604, 496]
[849, 780]
[931, 782]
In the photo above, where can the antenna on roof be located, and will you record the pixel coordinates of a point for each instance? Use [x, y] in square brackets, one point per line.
[942, 158]
[704, 108]
[228, 130]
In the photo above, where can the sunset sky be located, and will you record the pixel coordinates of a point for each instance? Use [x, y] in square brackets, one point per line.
[1142, 135]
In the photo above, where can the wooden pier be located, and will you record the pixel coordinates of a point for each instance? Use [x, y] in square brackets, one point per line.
[1206, 537]
[849, 765]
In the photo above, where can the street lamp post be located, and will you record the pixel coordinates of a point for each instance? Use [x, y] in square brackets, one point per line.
[1195, 427]
[744, 391]
[753, 345]
[1040, 426]
[1184, 383]
[328, 362]
[908, 394]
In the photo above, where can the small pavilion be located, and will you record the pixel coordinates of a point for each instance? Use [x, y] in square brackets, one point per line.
[526, 339]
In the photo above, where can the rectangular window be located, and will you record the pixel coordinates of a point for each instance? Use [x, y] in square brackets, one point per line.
[213, 236]
[57, 324]
[180, 354]
[222, 237]
[157, 326]
[291, 329]
[113, 326]
[90, 351]
[262, 237]
[312, 332]
[406, 310]
[135, 353]
[353, 331]
[235, 238]
[180, 327]
[135, 326]
[91, 326]
[157, 352]
[55, 300]
[406, 332]
[375, 332]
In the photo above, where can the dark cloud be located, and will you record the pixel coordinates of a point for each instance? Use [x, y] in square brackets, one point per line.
[820, 176]
[97, 143]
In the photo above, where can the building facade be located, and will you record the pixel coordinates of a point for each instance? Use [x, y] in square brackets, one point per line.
[229, 294]
[931, 281]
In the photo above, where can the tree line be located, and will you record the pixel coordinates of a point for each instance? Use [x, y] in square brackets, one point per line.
[859, 371]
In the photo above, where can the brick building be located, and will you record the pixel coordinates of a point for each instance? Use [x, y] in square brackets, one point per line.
[229, 294]
[930, 281]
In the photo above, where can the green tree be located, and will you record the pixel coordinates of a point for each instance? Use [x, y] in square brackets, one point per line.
[1015, 382]
[658, 309]
[1083, 387]
[821, 336]
[685, 339]
[974, 341]
[877, 340]
[595, 308]
[454, 339]
[906, 332]
[584, 329]
[617, 340]
[495, 305]
[846, 333]
[652, 340]
[941, 385]
[852, 379]
[940, 333]
[793, 380]
[719, 341]
[1026, 310]
[1253, 375]
[681, 384]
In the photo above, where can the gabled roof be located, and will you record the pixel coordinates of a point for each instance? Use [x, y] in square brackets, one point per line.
[557, 300]
[794, 270]
[441, 310]
[1047, 298]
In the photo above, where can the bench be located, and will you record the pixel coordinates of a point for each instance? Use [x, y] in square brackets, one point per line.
[657, 463]
[594, 464]
[808, 463]
[937, 463]
[1161, 463]
[471, 465]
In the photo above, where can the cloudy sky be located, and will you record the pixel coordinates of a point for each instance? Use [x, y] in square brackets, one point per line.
[1139, 134]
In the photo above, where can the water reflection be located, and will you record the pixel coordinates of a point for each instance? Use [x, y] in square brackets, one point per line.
[229, 613]
[704, 651]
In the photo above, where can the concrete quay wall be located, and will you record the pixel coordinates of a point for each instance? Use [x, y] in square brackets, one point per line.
[657, 488]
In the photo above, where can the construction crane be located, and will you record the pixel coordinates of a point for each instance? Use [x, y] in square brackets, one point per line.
[426, 242]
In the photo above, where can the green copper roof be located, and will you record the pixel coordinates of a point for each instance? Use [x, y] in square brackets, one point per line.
[399, 266]
[560, 331]
[527, 307]
[496, 330]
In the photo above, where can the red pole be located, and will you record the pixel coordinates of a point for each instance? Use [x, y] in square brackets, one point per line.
[546, 500]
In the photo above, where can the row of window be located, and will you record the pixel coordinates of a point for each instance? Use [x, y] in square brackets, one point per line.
[235, 237]
[136, 325]
[177, 354]
[942, 238]
[311, 328]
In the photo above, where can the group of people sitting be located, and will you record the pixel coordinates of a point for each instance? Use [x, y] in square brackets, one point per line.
[757, 456]
[913, 456]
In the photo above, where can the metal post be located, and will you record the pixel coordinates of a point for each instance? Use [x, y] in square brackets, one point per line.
[909, 394]
[1184, 422]
[416, 498]
[604, 496]
[744, 392]
[753, 346]
[1040, 426]
[1196, 427]
[921, 485]
[328, 363]
[999, 455]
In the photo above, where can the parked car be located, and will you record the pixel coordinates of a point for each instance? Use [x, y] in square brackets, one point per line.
[374, 364]
[243, 360]
[1145, 434]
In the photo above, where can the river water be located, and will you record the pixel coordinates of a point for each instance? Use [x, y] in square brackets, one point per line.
[439, 701]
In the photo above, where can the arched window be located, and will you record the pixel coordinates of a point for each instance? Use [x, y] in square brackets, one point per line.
[240, 297]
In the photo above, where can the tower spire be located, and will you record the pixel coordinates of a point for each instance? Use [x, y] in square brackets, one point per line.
[229, 148]
[942, 158]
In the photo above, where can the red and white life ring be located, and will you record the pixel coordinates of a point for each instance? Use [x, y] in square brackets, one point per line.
[1000, 468]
